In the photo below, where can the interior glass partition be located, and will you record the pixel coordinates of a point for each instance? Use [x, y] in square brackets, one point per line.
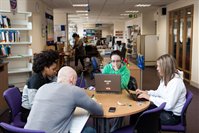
[180, 38]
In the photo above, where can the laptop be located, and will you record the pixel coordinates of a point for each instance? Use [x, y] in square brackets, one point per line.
[134, 96]
[107, 83]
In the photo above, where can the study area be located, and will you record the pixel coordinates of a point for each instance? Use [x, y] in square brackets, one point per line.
[99, 66]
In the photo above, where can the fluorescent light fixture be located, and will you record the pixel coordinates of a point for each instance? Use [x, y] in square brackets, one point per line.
[80, 5]
[143, 5]
[83, 14]
[84, 17]
[81, 11]
[132, 11]
[124, 14]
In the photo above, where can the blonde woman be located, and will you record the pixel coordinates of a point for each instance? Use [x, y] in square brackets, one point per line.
[170, 90]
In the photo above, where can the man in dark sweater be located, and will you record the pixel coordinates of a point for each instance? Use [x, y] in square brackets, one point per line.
[55, 103]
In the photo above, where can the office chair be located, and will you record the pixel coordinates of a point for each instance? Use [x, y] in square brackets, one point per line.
[148, 122]
[132, 85]
[81, 81]
[95, 66]
[13, 98]
[181, 127]
[6, 128]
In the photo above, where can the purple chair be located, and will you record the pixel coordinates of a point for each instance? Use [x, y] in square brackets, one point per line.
[81, 81]
[12, 129]
[181, 127]
[13, 99]
[148, 122]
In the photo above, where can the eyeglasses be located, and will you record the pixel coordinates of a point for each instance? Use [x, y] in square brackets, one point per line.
[115, 61]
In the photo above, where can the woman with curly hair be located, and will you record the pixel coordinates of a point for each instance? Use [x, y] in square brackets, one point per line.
[45, 69]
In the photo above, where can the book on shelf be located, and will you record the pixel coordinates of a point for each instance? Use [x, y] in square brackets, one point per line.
[1, 21]
[2, 36]
[5, 22]
[5, 50]
[9, 36]
[6, 36]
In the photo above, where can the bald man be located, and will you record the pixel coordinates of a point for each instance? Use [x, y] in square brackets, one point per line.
[55, 102]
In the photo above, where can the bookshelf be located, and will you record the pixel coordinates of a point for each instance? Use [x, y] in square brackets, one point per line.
[15, 43]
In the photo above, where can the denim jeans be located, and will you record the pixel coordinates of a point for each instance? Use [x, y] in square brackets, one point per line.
[168, 118]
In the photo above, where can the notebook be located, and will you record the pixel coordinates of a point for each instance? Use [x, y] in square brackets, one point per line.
[134, 96]
[107, 83]
[78, 120]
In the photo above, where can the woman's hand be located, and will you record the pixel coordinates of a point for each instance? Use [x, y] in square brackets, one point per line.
[144, 95]
[138, 92]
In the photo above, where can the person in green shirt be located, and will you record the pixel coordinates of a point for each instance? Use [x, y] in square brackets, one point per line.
[117, 66]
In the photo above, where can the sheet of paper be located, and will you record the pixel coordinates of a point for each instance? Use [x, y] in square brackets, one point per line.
[79, 120]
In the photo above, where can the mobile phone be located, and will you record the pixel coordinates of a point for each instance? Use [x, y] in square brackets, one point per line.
[112, 109]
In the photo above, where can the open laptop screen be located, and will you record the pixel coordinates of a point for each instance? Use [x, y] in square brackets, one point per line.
[110, 83]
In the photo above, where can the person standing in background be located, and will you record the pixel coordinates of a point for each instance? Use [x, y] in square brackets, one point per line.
[79, 50]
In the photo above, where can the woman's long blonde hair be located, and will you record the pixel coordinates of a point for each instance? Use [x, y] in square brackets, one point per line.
[167, 65]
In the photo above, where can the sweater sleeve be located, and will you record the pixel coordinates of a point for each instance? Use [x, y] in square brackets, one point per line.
[87, 103]
[125, 79]
[105, 69]
[28, 96]
[171, 97]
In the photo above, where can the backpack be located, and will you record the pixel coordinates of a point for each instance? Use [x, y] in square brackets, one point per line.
[132, 85]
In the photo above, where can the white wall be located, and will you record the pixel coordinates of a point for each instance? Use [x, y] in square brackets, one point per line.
[80, 29]
[195, 48]
[162, 47]
[148, 23]
[119, 26]
[107, 31]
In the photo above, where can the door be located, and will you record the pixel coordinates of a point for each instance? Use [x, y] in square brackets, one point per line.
[180, 38]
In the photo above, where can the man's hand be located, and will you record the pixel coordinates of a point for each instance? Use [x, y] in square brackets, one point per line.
[115, 68]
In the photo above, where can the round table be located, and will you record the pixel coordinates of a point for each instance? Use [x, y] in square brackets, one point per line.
[124, 105]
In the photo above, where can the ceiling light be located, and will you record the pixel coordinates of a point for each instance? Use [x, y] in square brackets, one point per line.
[81, 11]
[132, 11]
[80, 5]
[124, 14]
[83, 14]
[143, 5]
